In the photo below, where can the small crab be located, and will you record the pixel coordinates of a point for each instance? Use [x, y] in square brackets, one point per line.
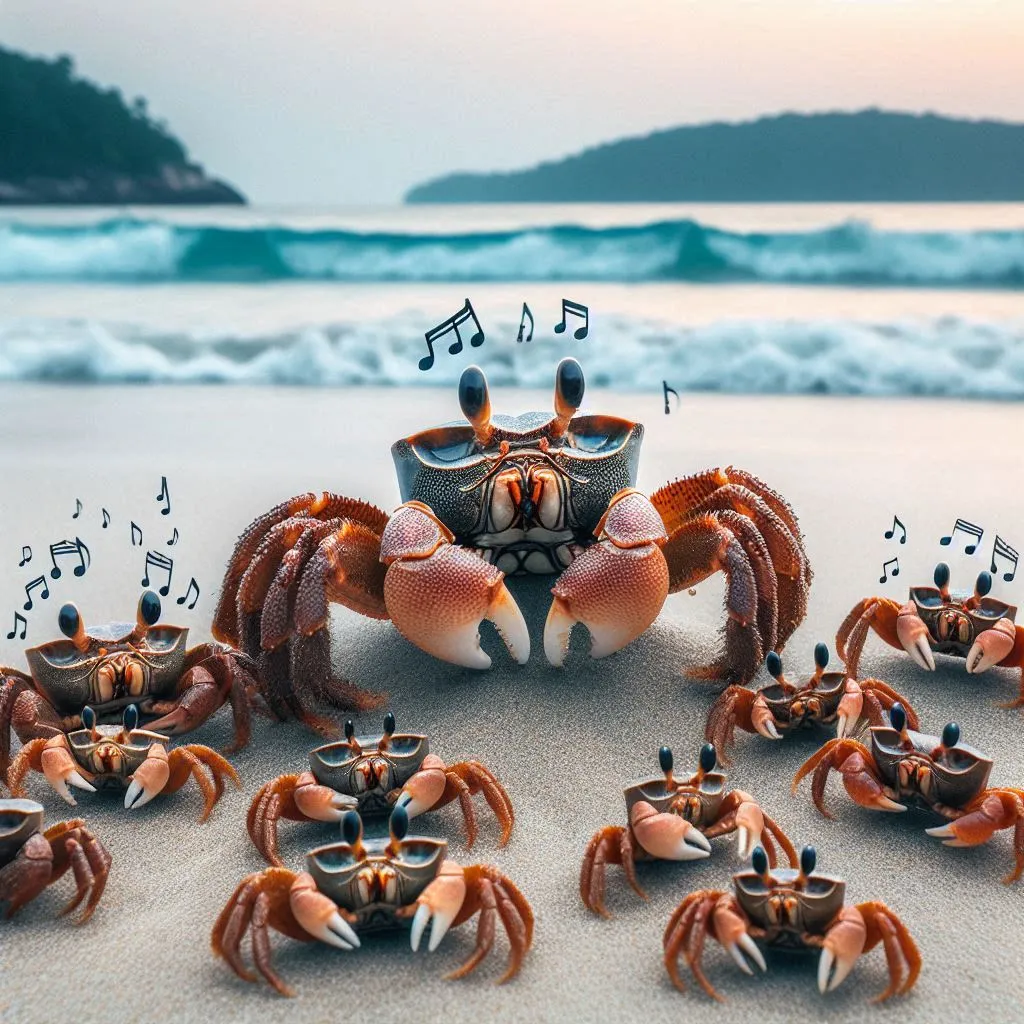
[974, 626]
[147, 664]
[789, 909]
[356, 886]
[940, 774]
[828, 698]
[30, 860]
[107, 756]
[672, 819]
[372, 773]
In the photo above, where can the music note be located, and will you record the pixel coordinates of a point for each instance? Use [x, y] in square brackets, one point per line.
[136, 532]
[965, 527]
[24, 626]
[452, 324]
[68, 547]
[889, 534]
[78, 509]
[26, 556]
[162, 563]
[885, 569]
[1002, 549]
[174, 538]
[192, 585]
[568, 306]
[106, 519]
[526, 315]
[39, 581]
[164, 496]
[667, 390]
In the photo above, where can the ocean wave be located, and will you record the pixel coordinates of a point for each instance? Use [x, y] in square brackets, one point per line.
[947, 356]
[136, 250]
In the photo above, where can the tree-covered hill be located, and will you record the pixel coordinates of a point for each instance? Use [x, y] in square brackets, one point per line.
[872, 155]
[65, 139]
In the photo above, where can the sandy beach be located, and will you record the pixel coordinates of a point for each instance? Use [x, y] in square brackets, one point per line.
[563, 742]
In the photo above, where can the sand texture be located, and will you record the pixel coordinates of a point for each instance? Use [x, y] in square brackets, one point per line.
[563, 742]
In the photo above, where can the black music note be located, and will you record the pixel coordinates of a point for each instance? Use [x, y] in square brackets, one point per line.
[452, 324]
[568, 306]
[78, 509]
[106, 519]
[889, 534]
[526, 315]
[192, 585]
[885, 569]
[136, 532]
[25, 558]
[666, 389]
[162, 563]
[164, 496]
[39, 581]
[24, 626]
[174, 538]
[1010, 554]
[965, 527]
[69, 547]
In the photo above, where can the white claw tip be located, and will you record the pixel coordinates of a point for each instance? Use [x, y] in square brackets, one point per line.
[419, 922]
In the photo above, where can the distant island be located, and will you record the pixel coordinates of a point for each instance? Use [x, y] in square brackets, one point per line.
[66, 140]
[869, 156]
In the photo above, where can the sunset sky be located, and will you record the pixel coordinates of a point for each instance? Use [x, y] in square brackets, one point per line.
[353, 101]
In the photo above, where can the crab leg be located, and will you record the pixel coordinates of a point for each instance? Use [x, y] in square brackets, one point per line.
[437, 593]
[25, 877]
[877, 613]
[612, 844]
[854, 762]
[74, 846]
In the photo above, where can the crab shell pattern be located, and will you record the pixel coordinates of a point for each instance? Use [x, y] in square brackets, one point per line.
[495, 495]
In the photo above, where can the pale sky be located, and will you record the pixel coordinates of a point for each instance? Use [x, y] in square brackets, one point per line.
[343, 102]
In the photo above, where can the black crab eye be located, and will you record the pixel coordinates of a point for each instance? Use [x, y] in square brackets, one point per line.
[984, 584]
[389, 724]
[569, 382]
[774, 664]
[399, 823]
[759, 860]
[351, 827]
[69, 620]
[821, 655]
[473, 397]
[665, 759]
[808, 859]
[951, 735]
[708, 757]
[130, 718]
[350, 729]
[149, 608]
[941, 575]
[88, 717]
[898, 717]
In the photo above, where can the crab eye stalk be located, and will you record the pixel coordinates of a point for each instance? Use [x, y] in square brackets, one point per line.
[774, 664]
[350, 729]
[352, 828]
[71, 625]
[389, 724]
[89, 721]
[951, 735]
[808, 860]
[569, 388]
[708, 757]
[898, 717]
[759, 861]
[821, 656]
[475, 402]
[941, 576]
[130, 719]
[665, 759]
[399, 824]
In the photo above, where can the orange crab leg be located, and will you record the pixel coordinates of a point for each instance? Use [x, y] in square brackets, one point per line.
[1015, 659]
[877, 613]
[854, 762]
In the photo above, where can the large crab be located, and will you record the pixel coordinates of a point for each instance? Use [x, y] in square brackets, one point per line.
[531, 494]
[793, 910]
[974, 626]
[827, 699]
[122, 757]
[372, 773]
[672, 819]
[939, 774]
[109, 667]
[31, 860]
[357, 886]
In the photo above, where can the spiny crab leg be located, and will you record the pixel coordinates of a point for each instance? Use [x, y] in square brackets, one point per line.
[913, 634]
[667, 836]
[991, 646]
[437, 593]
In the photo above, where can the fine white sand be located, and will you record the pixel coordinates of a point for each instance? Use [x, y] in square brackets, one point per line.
[564, 743]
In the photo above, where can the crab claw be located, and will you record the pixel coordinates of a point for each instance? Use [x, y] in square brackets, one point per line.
[667, 836]
[617, 587]
[975, 828]
[732, 934]
[913, 634]
[321, 803]
[763, 720]
[749, 826]
[60, 770]
[991, 646]
[318, 915]
[850, 708]
[440, 902]
[843, 944]
[149, 779]
[425, 788]
[437, 593]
